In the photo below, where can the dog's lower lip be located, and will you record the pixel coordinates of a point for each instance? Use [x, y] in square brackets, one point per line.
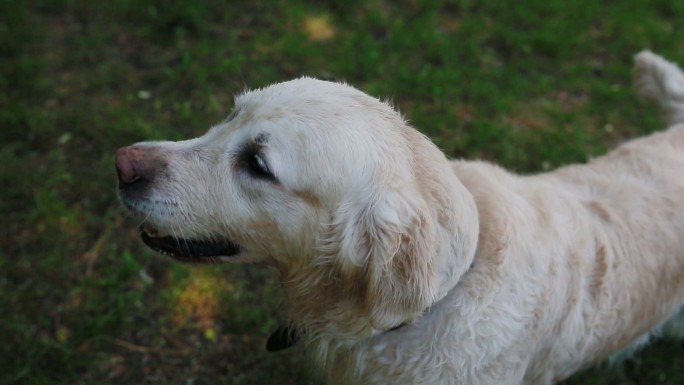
[188, 250]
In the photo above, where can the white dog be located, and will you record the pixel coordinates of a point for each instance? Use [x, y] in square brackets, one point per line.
[400, 267]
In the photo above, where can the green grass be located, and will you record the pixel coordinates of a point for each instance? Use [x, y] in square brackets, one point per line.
[530, 85]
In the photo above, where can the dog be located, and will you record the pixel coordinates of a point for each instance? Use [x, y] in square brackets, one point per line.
[399, 266]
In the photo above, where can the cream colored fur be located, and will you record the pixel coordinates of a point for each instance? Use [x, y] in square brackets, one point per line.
[502, 279]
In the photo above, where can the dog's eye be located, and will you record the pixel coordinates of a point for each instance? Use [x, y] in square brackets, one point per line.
[258, 167]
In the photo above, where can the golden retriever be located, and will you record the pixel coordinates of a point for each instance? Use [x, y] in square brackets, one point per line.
[401, 267]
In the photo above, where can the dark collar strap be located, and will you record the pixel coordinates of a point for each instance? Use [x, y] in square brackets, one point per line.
[285, 337]
[396, 327]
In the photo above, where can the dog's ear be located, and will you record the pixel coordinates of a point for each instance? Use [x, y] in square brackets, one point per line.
[385, 245]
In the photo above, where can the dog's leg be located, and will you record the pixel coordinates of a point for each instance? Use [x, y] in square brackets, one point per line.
[662, 82]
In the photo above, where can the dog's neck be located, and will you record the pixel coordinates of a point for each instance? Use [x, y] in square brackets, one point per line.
[286, 337]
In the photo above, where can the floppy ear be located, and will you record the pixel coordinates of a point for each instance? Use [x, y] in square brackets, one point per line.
[386, 244]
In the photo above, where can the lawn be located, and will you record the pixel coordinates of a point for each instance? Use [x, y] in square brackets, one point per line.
[531, 85]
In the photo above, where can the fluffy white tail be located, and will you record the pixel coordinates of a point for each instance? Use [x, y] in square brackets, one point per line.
[661, 81]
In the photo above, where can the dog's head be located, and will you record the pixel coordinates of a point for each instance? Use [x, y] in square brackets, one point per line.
[362, 215]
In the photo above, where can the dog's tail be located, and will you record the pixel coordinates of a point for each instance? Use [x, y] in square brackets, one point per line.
[662, 82]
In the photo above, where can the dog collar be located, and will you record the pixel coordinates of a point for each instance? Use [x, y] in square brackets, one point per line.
[285, 337]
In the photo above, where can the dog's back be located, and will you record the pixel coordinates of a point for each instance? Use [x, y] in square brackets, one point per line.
[596, 250]
[663, 83]
[633, 282]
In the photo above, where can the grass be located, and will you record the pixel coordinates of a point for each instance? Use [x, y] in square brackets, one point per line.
[529, 85]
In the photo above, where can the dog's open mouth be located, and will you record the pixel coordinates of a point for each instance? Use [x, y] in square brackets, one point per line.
[189, 250]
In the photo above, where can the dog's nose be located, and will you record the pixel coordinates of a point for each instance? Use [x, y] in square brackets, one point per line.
[125, 167]
[136, 163]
